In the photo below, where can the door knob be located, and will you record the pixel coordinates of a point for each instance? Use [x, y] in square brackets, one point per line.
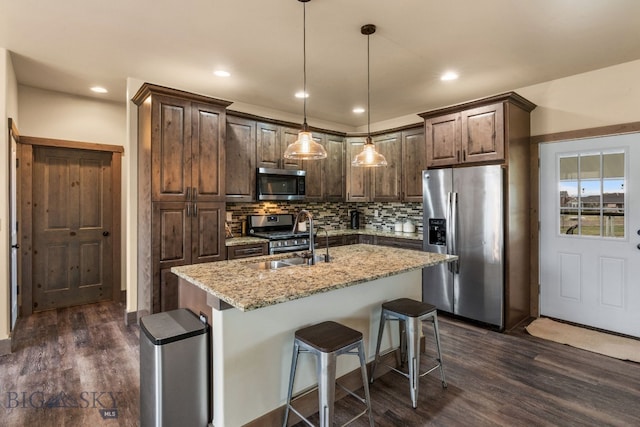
[16, 246]
[105, 233]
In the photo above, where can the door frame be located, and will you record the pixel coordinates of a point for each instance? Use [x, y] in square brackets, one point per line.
[534, 151]
[14, 194]
[25, 193]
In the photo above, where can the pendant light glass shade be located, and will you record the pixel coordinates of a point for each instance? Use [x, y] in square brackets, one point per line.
[369, 157]
[305, 148]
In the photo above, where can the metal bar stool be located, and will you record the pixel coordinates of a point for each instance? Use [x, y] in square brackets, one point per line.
[326, 341]
[410, 314]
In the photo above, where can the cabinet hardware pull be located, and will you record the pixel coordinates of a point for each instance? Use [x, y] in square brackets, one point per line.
[188, 210]
[195, 209]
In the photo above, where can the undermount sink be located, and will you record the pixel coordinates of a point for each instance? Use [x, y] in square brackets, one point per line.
[287, 262]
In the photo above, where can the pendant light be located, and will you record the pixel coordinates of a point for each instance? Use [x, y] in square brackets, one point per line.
[305, 148]
[369, 157]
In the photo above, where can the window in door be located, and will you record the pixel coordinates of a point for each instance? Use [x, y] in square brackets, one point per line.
[592, 194]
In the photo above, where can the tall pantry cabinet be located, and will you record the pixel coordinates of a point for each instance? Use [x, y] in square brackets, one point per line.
[181, 191]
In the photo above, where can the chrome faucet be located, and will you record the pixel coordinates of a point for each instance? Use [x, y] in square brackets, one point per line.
[326, 235]
[312, 243]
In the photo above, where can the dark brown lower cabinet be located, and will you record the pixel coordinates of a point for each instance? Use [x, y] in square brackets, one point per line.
[398, 242]
[183, 233]
[246, 251]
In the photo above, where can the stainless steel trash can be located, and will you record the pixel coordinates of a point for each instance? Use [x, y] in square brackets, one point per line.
[174, 373]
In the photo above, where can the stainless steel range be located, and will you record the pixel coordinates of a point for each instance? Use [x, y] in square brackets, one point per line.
[278, 228]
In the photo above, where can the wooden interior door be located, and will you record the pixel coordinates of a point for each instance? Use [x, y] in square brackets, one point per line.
[72, 216]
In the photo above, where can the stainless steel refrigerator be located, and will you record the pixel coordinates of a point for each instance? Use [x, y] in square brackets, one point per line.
[464, 216]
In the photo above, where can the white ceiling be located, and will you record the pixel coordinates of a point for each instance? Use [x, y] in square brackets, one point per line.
[495, 46]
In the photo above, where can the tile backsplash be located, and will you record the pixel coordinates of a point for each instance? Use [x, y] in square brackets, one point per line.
[333, 215]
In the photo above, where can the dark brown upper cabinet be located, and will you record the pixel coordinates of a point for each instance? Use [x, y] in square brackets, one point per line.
[240, 170]
[414, 161]
[271, 141]
[475, 132]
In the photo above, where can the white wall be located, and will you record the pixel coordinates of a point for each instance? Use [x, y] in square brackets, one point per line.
[57, 115]
[8, 109]
[603, 97]
[130, 198]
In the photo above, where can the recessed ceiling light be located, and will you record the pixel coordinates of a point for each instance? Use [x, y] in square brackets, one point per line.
[358, 110]
[222, 73]
[302, 94]
[99, 89]
[448, 76]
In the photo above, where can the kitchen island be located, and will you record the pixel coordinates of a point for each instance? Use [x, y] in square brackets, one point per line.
[254, 313]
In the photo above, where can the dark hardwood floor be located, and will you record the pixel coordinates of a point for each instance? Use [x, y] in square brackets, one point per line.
[71, 364]
[72, 367]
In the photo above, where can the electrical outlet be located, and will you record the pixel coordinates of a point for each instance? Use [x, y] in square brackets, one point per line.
[375, 213]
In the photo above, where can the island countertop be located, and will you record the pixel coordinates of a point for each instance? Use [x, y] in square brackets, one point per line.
[240, 284]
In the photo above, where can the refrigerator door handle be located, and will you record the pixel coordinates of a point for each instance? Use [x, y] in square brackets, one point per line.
[454, 231]
[449, 231]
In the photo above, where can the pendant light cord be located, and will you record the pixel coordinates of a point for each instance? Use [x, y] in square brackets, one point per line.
[304, 64]
[368, 92]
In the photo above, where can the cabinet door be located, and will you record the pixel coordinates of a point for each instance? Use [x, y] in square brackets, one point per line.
[246, 251]
[357, 177]
[399, 242]
[386, 179]
[443, 140]
[314, 183]
[483, 134]
[168, 296]
[170, 243]
[170, 148]
[414, 161]
[207, 232]
[207, 152]
[288, 136]
[268, 145]
[334, 183]
[171, 230]
[240, 154]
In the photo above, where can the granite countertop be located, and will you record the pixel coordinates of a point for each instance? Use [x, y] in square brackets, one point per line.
[248, 240]
[245, 287]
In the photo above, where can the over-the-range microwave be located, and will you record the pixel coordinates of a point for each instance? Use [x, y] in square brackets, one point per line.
[280, 184]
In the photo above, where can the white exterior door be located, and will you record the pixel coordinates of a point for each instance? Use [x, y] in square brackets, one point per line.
[590, 232]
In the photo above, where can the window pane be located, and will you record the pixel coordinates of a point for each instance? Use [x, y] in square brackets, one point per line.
[613, 223]
[590, 194]
[569, 194]
[569, 167]
[568, 222]
[613, 165]
[590, 222]
[613, 194]
[590, 166]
